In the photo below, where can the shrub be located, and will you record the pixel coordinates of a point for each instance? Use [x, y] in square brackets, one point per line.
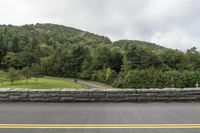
[151, 78]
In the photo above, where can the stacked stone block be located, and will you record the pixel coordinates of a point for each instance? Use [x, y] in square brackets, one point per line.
[99, 95]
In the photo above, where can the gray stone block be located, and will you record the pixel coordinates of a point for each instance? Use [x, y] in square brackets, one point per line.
[68, 92]
[148, 94]
[187, 98]
[54, 94]
[82, 95]
[131, 95]
[130, 92]
[46, 95]
[94, 99]
[82, 100]
[55, 99]
[4, 99]
[4, 95]
[162, 99]
[115, 96]
[167, 95]
[132, 98]
[37, 99]
[173, 99]
[67, 95]
[35, 95]
[193, 93]
[110, 95]
[67, 99]
[24, 99]
[97, 95]
[20, 95]
[111, 100]
[115, 92]
[140, 99]
[14, 98]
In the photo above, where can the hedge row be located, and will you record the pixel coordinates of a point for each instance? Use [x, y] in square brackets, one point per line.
[158, 79]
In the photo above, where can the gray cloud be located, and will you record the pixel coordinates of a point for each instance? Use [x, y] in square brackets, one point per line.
[171, 23]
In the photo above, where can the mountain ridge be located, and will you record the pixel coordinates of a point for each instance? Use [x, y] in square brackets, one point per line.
[65, 34]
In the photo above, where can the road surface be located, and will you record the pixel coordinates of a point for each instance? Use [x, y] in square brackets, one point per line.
[90, 84]
[100, 114]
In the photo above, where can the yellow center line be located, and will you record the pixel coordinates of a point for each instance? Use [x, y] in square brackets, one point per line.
[98, 126]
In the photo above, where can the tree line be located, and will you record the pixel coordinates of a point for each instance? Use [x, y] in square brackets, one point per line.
[11, 74]
[66, 52]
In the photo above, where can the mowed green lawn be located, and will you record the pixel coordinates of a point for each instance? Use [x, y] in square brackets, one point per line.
[43, 83]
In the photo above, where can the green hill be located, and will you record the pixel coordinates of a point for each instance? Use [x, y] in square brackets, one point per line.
[52, 34]
[138, 44]
[56, 50]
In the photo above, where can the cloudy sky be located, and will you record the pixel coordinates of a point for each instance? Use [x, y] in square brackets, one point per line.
[171, 23]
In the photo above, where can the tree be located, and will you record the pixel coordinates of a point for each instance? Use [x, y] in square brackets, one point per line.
[77, 56]
[2, 50]
[13, 75]
[35, 71]
[26, 72]
[117, 60]
[134, 58]
[55, 50]
[194, 57]
[2, 77]
[102, 57]
[14, 46]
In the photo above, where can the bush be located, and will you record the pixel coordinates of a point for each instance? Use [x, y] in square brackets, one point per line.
[151, 78]
[106, 76]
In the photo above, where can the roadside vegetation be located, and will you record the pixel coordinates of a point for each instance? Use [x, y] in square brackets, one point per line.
[43, 84]
[16, 79]
[54, 50]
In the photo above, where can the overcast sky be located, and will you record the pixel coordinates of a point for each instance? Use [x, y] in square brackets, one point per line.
[170, 23]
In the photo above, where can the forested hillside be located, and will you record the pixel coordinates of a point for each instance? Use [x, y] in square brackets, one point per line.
[57, 50]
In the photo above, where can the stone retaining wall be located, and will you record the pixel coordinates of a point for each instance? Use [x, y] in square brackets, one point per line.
[99, 95]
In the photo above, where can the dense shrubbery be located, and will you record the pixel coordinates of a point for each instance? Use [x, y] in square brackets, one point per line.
[149, 78]
[55, 50]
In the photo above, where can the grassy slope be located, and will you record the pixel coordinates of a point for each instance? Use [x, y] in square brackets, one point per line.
[43, 84]
[84, 82]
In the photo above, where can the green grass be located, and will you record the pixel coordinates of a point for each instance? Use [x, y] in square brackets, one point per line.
[72, 79]
[43, 83]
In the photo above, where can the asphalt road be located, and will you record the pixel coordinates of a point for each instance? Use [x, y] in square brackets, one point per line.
[99, 113]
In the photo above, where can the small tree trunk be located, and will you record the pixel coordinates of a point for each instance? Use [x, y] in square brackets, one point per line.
[36, 79]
